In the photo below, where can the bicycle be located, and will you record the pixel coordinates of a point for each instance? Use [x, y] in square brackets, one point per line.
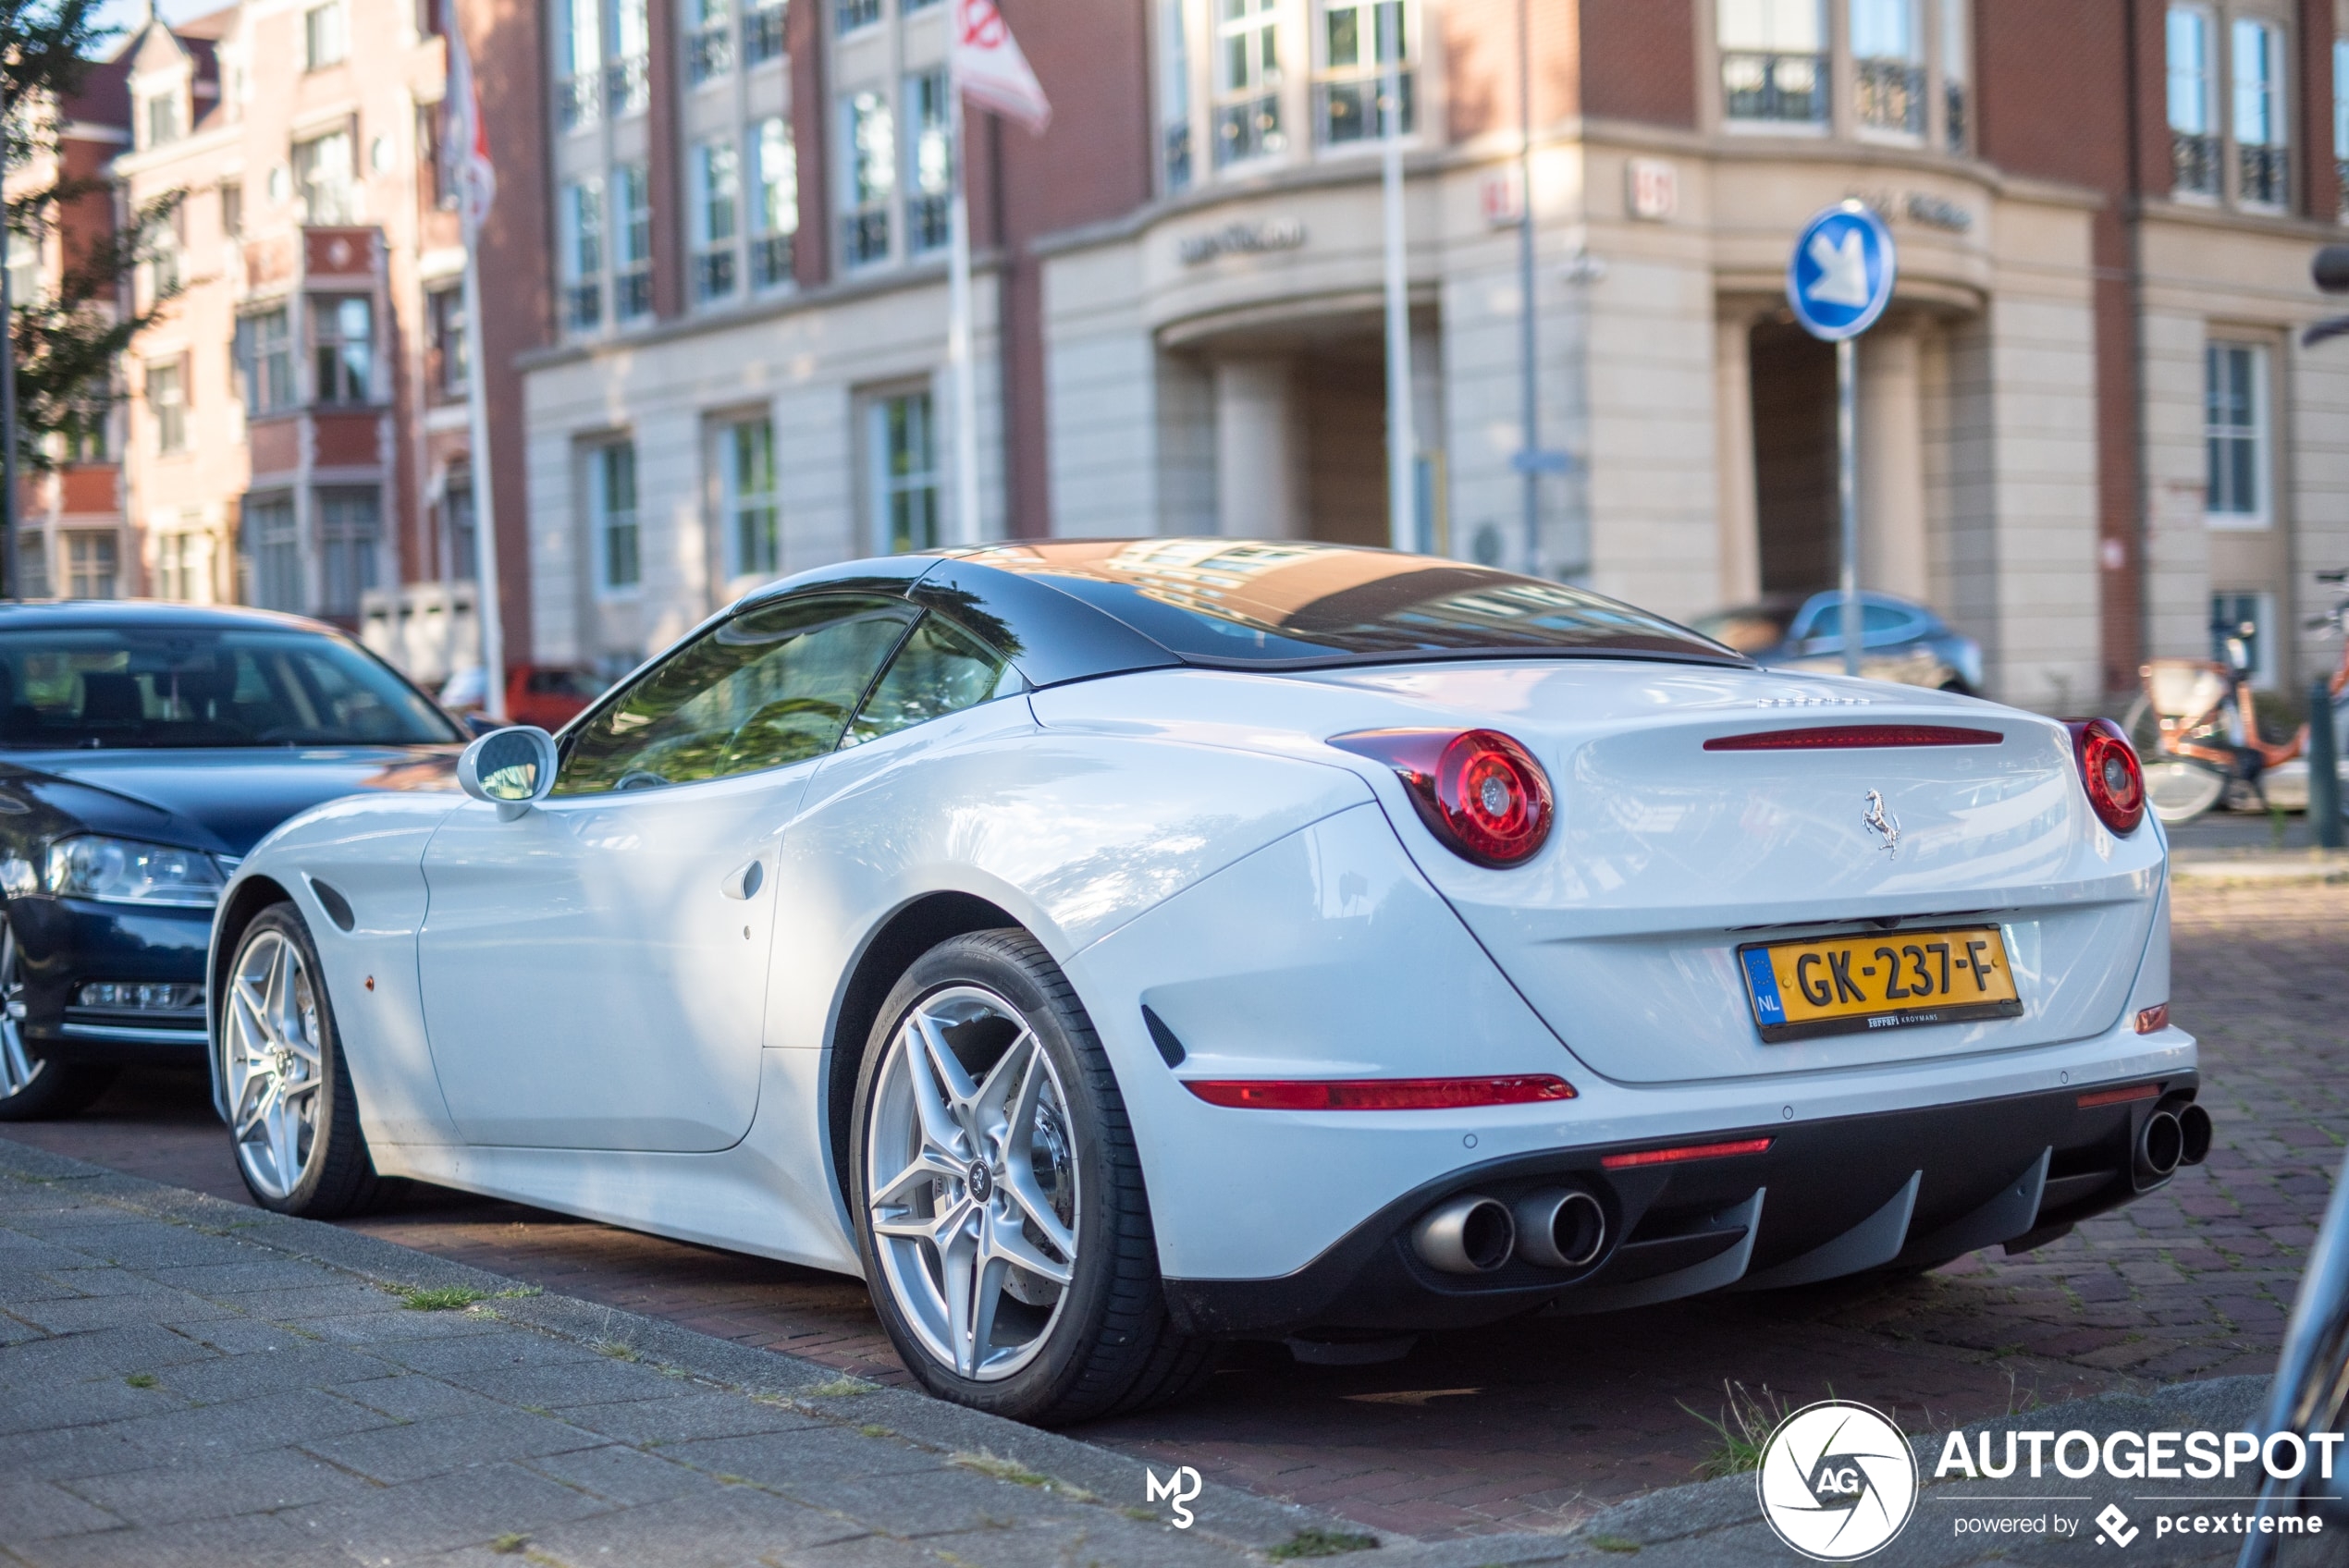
[2196, 726]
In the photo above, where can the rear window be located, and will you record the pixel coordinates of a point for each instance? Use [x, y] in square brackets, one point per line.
[111, 687]
[1229, 602]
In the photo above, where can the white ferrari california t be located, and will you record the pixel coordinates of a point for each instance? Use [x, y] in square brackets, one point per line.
[1108, 949]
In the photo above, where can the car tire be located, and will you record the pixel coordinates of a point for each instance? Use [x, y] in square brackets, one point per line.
[293, 1125]
[1014, 1150]
[33, 1088]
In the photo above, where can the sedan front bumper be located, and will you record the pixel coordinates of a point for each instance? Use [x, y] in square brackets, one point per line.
[63, 944]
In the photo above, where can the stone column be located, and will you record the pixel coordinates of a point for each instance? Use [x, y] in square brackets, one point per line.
[1260, 471]
[1892, 543]
[1736, 518]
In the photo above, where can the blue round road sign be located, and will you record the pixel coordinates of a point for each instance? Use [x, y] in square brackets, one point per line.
[1840, 278]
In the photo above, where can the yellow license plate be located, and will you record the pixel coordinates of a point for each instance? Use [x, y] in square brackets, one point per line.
[1888, 980]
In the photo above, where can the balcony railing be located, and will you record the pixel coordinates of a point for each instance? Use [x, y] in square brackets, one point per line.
[583, 306]
[577, 102]
[1178, 155]
[1354, 108]
[632, 293]
[2263, 175]
[1953, 103]
[709, 53]
[928, 223]
[1785, 89]
[762, 35]
[2193, 163]
[770, 261]
[2341, 179]
[1889, 95]
[714, 275]
[1249, 128]
[850, 14]
[627, 87]
[865, 236]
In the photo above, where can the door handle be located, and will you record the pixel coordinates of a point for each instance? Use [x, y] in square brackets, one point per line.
[744, 881]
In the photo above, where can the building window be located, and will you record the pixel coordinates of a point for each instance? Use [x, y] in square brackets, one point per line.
[232, 209]
[632, 284]
[445, 316]
[346, 549]
[264, 361]
[850, 14]
[166, 238]
[90, 565]
[1888, 60]
[342, 342]
[2193, 102]
[582, 254]
[456, 516]
[2250, 617]
[83, 434]
[164, 123]
[435, 177]
[1174, 95]
[579, 72]
[746, 476]
[1248, 80]
[273, 554]
[1773, 61]
[611, 472]
[167, 404]
[1364, 42]
[323, 41]
[24, 266]
[930, 164]
[870, 141]
[2341, 123]
[2235, 435]
[717, 199]
[905, 472]
[178, 566]
[775, 204]
[322, 169]
[2262, 157]
[709, 48]
[1956, 61]
[763, 33]
[32, 565]
[627, 84]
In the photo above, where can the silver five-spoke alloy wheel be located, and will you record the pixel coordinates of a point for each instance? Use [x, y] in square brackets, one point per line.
[972, 1172]
[18, 1067]
[274, 1063]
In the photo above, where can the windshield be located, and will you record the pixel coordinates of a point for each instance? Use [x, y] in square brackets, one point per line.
[1227, 602]
[203, 686]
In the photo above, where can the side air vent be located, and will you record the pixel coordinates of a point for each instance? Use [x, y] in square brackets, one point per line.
[337, 908]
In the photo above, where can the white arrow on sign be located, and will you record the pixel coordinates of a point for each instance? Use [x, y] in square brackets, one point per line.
[1843, 270]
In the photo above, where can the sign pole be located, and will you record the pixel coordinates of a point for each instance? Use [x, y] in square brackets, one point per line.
[1847, 491]
[966, 530]
[1402, 441]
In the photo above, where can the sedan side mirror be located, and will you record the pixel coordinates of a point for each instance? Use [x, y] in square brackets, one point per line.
[511, 768]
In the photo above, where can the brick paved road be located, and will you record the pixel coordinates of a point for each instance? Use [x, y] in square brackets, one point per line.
[1537, 1423]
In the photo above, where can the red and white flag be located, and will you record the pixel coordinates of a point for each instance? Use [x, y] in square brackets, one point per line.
[990, 71]
[466, 145]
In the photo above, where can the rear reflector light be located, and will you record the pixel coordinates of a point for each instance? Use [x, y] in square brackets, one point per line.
[1854, 737]
[2153, 1019]
[1686, 1151]
[2120, 1096]
[1478, 790]
[1377, 1094]
[2108, 770]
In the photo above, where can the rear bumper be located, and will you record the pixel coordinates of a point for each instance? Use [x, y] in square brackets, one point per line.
[65, 943]
[1828, 1197]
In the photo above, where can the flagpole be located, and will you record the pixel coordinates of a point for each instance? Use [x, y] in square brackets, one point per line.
[1402, 467]
[474, 184]
[958, 337]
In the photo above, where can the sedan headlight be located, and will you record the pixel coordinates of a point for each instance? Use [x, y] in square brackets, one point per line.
[125, 871]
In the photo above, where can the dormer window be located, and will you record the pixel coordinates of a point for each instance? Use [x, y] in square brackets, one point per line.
[164, 122]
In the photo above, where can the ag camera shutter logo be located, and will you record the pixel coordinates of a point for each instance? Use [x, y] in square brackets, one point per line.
[1837, 1481]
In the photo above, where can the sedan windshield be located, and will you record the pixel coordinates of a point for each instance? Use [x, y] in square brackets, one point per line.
[1249, 603]
[92, 686]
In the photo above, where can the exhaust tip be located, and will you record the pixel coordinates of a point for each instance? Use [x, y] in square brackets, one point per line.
[2194, 1128]
[2161, 1144]
[1561, 1228]
[1469, 1234]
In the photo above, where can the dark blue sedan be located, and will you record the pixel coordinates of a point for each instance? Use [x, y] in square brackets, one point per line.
[145, 749]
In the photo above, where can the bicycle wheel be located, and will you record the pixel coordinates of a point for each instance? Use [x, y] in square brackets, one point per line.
[2181, 789]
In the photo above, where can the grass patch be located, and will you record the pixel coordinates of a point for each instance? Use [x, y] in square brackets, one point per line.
[1614, 1543]
[507, 1545]
[841, 1388]
[438, 1298]
[872, 1431]
[1742, 1431]
[617, 1351]
[140, 1379]
[1318, 1542]
[1003, 1469]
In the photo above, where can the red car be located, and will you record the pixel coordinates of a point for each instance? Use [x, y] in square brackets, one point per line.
[544, 695]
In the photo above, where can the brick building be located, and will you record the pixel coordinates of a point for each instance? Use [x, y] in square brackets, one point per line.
[2086, 424]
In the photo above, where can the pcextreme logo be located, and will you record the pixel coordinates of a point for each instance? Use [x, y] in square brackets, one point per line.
[1837, 1481]
[1177, 1489]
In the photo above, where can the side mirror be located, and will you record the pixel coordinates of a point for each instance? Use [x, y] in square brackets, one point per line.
[511, 768]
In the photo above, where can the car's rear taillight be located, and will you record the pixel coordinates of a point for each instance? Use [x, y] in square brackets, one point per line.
[2109, 768]
[1478, 790]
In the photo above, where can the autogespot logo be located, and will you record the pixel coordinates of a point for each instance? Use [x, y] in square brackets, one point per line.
[1837, 1481]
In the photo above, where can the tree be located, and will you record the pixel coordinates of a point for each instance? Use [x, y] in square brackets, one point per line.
[67, 340]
